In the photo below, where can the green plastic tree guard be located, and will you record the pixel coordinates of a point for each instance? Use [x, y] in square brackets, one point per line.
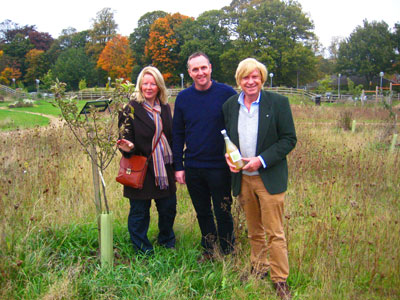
[106, 247]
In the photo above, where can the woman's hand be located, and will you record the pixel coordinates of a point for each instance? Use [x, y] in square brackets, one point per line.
[180, 177]
[125, 145]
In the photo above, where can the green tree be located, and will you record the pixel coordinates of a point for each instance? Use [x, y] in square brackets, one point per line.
[367, 51]
[325, 84]
[16, 50]
[69, 38]
[275, 32]
[104, 28]
[47, 80]
[396, 43]
[354, 90]
[82, 84]
[208, 34]
[73, 65]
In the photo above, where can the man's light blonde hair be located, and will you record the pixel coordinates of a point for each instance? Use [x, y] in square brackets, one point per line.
[247, 66]
[162, 89]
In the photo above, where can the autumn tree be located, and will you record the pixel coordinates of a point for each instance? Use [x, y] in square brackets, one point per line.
[163, 45]
[37, 65]
[116, 58]
[17, 42]
[139, 37]
[8, 74]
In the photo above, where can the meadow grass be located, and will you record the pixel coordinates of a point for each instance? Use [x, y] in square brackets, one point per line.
[342, 215]
[11, 120]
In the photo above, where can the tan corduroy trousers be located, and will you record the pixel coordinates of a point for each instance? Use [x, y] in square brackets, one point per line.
[264, 217]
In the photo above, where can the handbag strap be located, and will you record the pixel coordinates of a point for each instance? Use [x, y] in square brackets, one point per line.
[155, 145]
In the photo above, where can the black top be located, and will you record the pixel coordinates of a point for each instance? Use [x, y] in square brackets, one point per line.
[140, 131]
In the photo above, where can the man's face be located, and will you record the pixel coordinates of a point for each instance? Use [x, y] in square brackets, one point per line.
[200, 71]
[251, 84]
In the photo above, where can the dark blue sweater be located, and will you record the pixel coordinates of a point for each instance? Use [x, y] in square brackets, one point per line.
[197, 124]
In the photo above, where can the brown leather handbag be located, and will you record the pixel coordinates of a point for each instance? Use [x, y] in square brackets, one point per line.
[133, 170]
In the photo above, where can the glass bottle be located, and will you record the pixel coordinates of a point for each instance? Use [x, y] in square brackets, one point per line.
[233, 151]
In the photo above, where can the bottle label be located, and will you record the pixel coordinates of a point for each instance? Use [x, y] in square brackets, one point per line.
[235, 156]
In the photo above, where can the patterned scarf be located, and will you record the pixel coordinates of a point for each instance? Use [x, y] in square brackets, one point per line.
[162, 154]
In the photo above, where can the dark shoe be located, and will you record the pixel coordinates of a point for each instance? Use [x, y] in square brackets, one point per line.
[282, 290]
[205, 257]
[259, 274]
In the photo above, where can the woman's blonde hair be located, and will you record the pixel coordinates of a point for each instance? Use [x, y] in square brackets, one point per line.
[162, 89]
[247, 66]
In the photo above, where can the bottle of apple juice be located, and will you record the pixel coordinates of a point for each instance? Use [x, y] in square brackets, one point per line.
[233, 151]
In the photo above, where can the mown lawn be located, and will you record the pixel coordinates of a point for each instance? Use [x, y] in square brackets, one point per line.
[11, 120]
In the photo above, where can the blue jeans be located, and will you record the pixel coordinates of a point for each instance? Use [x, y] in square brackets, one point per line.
[139, 220]
[205, 185]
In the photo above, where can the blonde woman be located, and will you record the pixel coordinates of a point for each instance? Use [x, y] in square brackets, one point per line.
[151, 126]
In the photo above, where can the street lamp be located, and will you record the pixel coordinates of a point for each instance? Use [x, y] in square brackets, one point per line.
[182, 75]
[381, 75]
[13, 82]
[271, 75]
[338, 83]
[109, 81]
[37, 86]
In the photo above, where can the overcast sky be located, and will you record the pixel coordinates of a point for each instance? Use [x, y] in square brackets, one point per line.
[331, 18]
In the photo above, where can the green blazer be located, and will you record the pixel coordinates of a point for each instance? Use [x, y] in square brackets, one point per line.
[276, 138]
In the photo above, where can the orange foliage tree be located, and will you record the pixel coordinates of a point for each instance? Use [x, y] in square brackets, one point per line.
[163, 47]
[36, 63]
[116, 58]
[8, 74]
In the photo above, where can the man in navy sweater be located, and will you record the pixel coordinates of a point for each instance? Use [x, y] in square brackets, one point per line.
[198, 150]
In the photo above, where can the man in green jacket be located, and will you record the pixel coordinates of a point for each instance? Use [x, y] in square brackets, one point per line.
[261, 125]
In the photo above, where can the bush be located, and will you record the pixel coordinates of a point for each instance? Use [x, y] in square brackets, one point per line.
[345, 120]
[22, 103]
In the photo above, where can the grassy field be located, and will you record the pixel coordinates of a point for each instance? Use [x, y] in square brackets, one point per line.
[13, 119]
[28, 117]
[342, 220]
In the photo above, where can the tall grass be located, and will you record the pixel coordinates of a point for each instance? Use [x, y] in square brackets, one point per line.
[341, 219]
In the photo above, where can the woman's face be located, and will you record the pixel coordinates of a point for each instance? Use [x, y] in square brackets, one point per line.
[251, 84]
[149, 88]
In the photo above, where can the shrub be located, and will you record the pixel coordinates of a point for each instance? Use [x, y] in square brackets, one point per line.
[22, 103]
[82, 84]
[345, 120]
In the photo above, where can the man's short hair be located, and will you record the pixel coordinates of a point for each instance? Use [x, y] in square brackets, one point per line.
[247, 66]
[197, 54]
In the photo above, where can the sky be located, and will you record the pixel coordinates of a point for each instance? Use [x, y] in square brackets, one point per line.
[336, 18]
